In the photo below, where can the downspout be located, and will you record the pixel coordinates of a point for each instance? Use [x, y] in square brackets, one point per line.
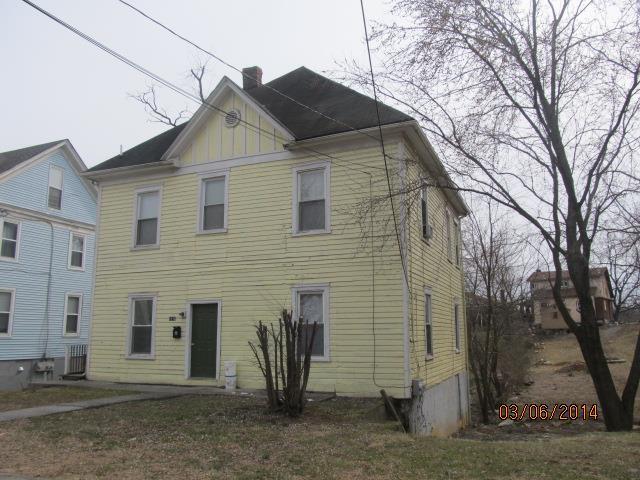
[48, 291]
[93, 280]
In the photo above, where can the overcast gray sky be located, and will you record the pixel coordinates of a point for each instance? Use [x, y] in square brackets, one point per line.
[55, 85]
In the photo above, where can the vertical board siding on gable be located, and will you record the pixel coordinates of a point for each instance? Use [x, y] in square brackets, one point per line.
[430, 268]
[29, 189]
[218, 142]
[29, 278]
[252, 269]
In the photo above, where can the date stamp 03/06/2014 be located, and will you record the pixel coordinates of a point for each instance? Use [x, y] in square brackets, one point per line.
[542, 411]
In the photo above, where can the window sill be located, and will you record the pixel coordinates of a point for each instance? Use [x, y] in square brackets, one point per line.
[140, 357]
[457, 350]
[145, 247]
[5, 335]
[8, 259]
[311, 232]
[426, 241]
[428, 358]
[212, 231]
[320, 359]
[76, 269]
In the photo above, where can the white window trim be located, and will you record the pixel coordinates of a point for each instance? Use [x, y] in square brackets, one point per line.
[427, 356]
[447, 234]
[84, 250]
[187, 349]
[424, 195]
[327, 198]
[142, 356]
[316, 288]
[64, 320]
[10, 220]
[457, 242]
[51, 167]
[203, 178]
[457, 333]
[12, 308]
[134, 226]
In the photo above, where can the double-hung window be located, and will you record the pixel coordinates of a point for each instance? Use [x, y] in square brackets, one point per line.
[72, 314]
[55, 187]
[77, 249]
[456, 326]
[427, 231]
[7, 299]
[456, 235]
[9, 232]
[147, 222]
[311, 305]
[311, 199]
[142, 320]
[447, 226]
[428, 327]
[213, 204]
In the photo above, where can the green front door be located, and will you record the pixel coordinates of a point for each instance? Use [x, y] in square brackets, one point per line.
[204, 340]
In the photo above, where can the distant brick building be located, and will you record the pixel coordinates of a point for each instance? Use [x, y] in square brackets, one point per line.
[545, 310]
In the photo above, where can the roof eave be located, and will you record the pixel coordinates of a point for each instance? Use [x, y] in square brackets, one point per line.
[112, 173]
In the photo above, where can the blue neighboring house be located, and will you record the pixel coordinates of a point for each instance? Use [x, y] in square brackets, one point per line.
[47, 242]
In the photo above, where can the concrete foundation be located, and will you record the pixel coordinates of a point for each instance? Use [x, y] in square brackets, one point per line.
[18, 374]
[441, 409]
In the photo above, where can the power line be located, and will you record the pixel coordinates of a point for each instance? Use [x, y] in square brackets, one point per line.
[244, 74]
[181, 91]
[386, 170]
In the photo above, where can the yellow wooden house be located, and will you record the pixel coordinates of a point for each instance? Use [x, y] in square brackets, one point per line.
[275, 196]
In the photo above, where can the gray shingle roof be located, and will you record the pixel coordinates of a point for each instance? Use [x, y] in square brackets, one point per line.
[350, 108]
[11, 159]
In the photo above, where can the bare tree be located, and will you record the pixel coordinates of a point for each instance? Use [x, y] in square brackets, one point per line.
[534, 105]
[149, 98]
[497, 307]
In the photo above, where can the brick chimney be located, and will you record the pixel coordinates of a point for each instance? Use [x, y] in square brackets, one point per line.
[251, 77]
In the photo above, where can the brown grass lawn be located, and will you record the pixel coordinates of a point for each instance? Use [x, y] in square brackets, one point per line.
[38, 396]
[232, 437]
[554, 384]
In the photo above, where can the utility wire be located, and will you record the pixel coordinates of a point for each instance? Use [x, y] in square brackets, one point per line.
[181, 91]
[386, 170]
[243, 73]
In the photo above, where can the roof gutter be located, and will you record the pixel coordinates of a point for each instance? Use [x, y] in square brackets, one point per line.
[97, 175]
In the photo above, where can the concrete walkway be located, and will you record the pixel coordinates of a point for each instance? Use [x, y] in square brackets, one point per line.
[81, 405]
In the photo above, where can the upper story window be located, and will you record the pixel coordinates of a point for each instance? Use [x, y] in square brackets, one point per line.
[142, 319]
[447, 227]
[55, 187]
[428, 327]
[213, 204]
[72, 309]
[311, 199]
[147, 222]
[457, 251]
[9, 235]
[427, 231]
[7, 299]
[311, 303]
[77, 249]
[456, 326]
